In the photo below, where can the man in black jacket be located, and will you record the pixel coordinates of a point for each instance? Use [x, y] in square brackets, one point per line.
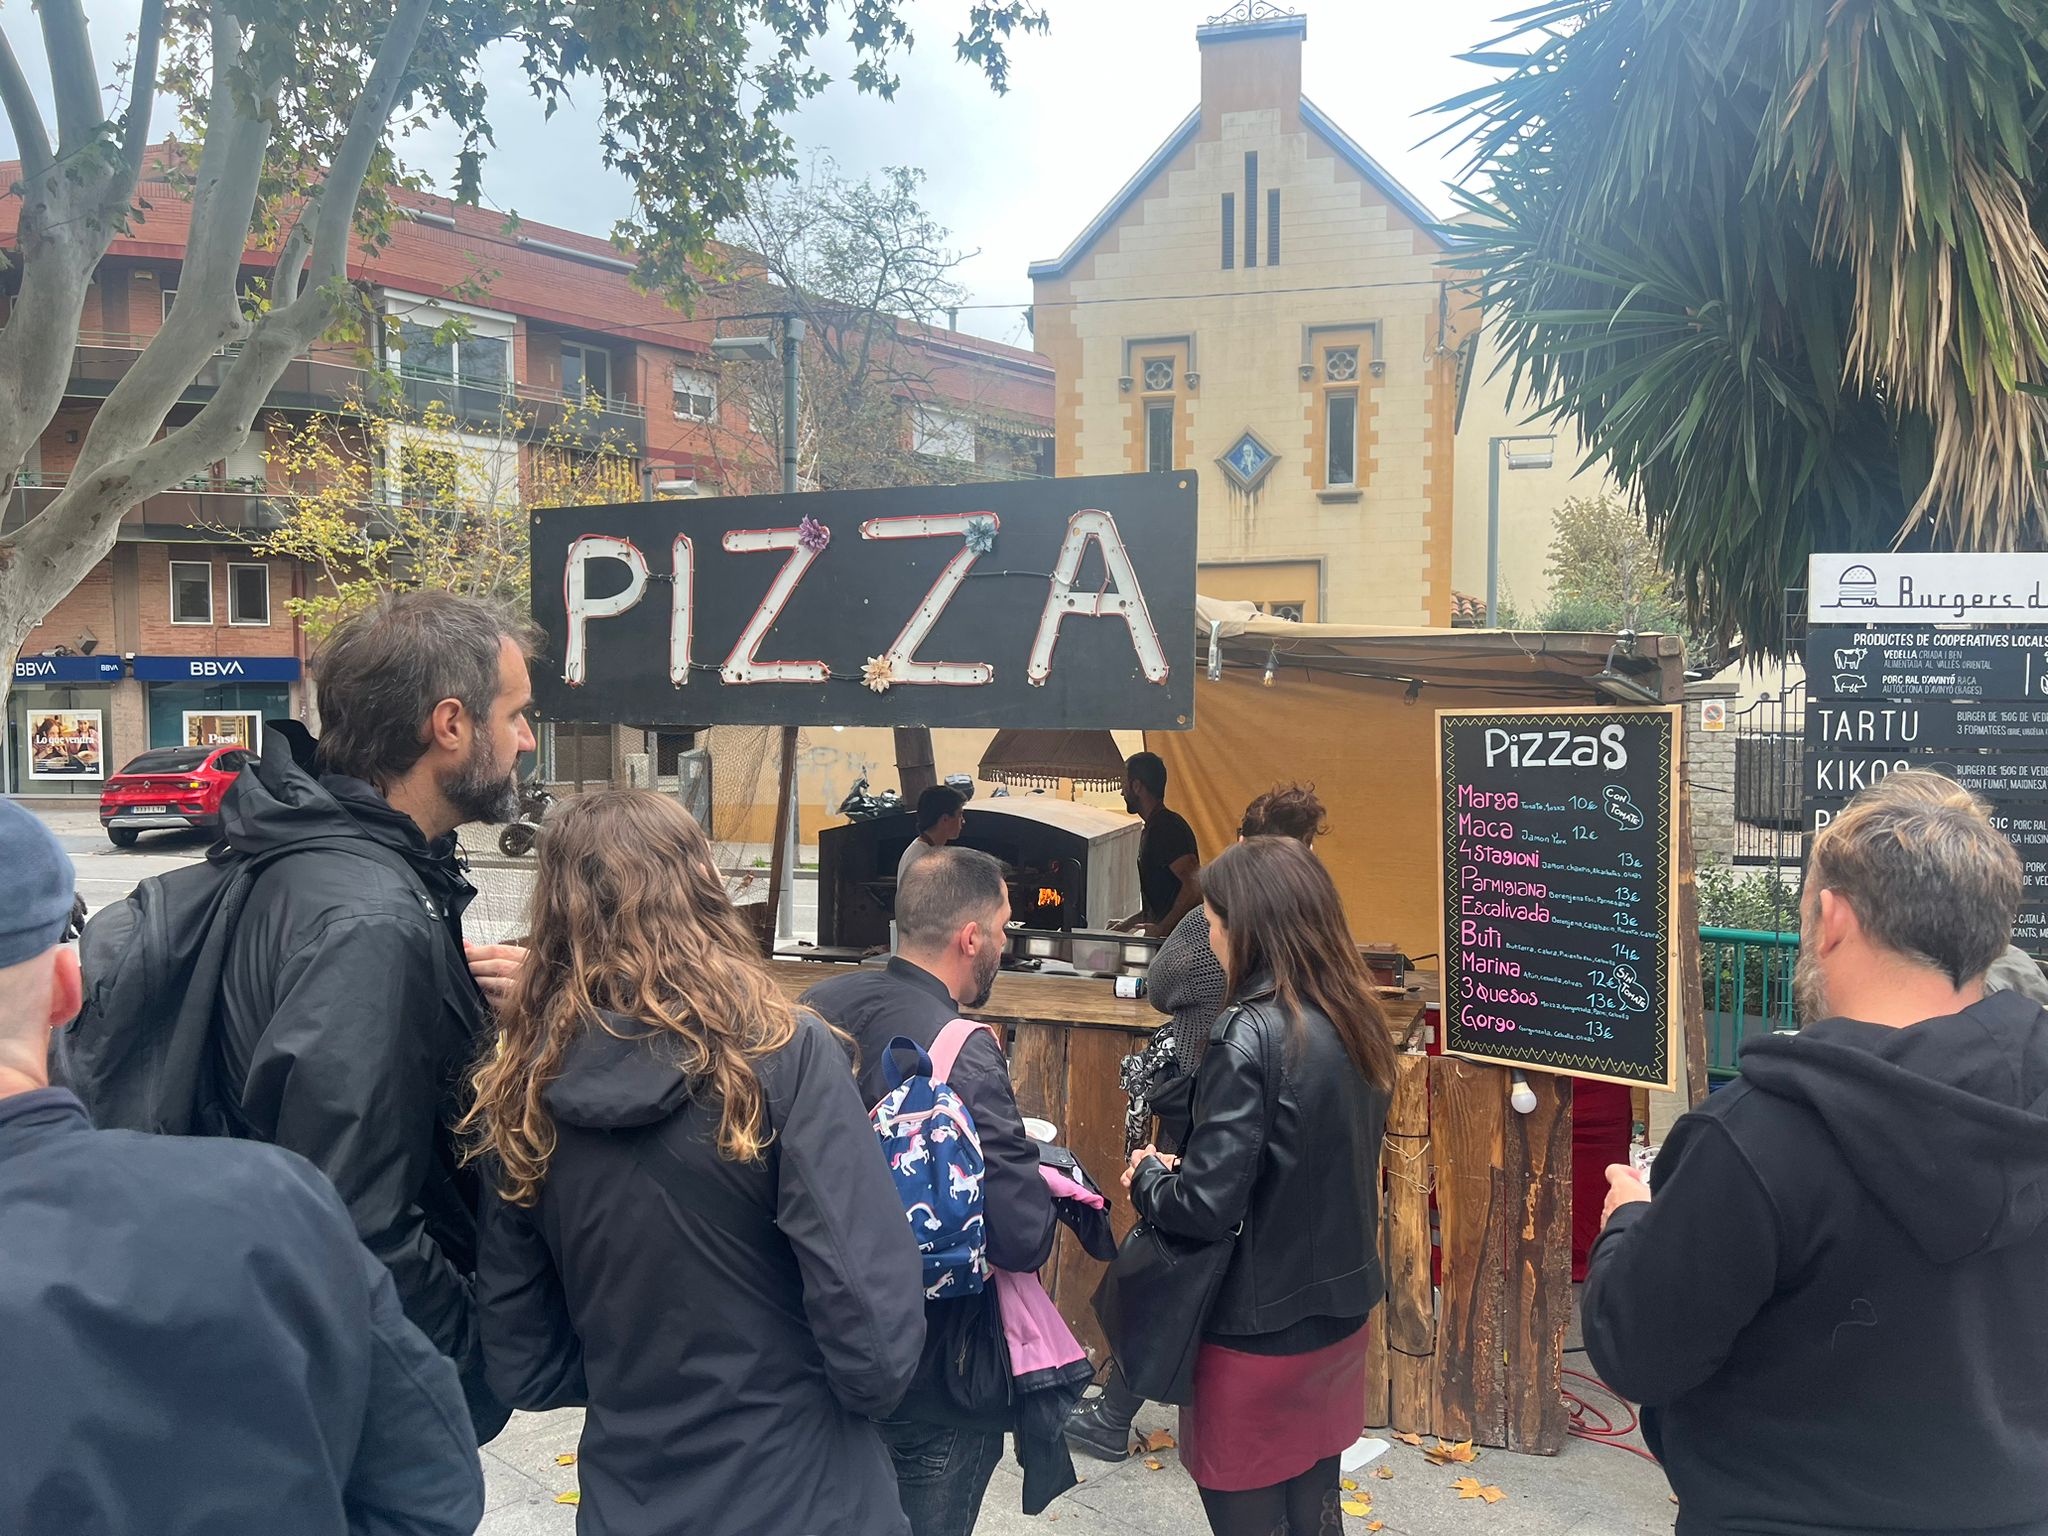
[349, 1014]
[1834, 1308]
[950, 912]
[193, 1341]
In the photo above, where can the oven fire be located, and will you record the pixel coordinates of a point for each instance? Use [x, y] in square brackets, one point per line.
[1050, 898]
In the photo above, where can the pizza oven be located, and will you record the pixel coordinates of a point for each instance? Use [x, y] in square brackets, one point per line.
[1068, 866]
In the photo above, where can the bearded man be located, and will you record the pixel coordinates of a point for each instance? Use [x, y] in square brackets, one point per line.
[349, 1014]
[1833, 1309]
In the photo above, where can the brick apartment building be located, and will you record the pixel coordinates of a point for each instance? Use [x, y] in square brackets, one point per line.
[186, 629]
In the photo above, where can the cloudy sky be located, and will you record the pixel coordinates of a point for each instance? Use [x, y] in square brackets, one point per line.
[1017, 177]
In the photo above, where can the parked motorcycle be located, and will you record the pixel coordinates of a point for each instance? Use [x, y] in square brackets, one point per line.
[861, 804]
[518, 838]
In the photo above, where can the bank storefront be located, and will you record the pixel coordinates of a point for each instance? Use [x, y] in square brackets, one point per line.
[214, 701]
[61, 738]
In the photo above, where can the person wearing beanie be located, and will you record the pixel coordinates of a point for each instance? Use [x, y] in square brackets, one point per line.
[192, 1339]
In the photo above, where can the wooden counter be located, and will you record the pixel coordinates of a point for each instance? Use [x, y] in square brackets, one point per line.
[1068, 1038]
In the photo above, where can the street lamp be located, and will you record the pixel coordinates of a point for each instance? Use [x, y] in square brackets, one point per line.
[1535, 453]
[762, 349]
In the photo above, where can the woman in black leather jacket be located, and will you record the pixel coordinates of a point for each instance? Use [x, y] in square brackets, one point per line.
[1290, 1104]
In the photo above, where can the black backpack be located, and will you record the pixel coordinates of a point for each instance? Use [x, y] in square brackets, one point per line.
[140, 1052]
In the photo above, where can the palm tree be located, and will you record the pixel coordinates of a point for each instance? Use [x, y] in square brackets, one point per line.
[1783, 263]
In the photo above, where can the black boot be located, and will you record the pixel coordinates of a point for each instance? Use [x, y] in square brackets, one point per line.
[1101, 1427]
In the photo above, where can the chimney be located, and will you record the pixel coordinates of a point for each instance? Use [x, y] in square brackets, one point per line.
[1251, 60]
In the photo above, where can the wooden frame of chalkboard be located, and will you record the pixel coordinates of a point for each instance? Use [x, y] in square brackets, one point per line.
[1559, 889]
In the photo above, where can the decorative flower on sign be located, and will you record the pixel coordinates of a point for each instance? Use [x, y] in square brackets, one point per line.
[813, 535]
[878, 674]
[981, 534]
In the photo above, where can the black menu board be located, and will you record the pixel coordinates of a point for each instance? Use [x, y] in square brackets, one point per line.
[1559, 889]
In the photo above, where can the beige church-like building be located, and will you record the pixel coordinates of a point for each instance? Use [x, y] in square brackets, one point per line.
[1265, 305]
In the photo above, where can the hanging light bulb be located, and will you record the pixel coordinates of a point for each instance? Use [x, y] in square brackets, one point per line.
[1272, 666]
[1215, 650]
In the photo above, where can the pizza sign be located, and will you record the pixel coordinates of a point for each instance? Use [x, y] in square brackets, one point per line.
[1058, 603]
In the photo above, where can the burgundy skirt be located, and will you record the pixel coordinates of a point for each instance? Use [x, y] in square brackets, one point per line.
[1258, 1420]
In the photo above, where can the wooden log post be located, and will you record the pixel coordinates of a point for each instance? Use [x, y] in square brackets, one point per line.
[778, 855]
[1468, 1128]
[1536, 1301]
[914, 770]
[1409, 1310]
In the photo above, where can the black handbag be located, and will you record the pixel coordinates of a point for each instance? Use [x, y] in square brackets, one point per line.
[1155, 1299]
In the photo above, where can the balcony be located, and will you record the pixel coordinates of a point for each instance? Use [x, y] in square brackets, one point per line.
[326, 380]
[203, 509]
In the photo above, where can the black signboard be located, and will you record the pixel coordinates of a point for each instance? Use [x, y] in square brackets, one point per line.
[1559, 881]
[1832, 776]
[1050, 603]
[1924, 661]
[1918, 725]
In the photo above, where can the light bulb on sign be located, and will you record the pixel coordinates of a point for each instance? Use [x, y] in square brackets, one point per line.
[1272, 666]
[1523, 1097]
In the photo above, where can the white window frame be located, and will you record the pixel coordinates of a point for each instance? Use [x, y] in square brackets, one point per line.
[249, 565]
[703, 385]
[205, 623]
[586, 350]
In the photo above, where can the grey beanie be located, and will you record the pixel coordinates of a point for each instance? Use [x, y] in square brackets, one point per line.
[35, 918]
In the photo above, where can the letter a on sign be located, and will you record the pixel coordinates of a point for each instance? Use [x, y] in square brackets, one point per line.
[1120, 598]
[582, 607]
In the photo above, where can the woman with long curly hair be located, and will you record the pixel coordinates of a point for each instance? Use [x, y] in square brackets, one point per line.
[691, 1229]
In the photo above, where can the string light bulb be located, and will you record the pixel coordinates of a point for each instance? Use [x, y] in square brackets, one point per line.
[1272, 666]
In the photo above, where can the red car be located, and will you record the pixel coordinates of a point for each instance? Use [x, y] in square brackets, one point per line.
[167, 788]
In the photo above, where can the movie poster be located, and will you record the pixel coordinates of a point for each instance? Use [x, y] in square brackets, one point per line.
[66, 744]
[217, 728]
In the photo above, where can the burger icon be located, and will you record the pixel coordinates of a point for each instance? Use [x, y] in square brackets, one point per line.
[1856, 588]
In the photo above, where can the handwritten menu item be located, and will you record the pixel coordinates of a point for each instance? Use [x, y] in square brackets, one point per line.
[1559, 889]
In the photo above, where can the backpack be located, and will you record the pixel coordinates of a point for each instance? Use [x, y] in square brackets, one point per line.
[140, 1053]
[934, 1154]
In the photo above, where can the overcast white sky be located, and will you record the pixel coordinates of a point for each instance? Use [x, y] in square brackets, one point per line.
[1015, 177]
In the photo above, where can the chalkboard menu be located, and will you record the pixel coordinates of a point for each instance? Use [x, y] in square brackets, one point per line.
[1970, 702]
[1559, 880]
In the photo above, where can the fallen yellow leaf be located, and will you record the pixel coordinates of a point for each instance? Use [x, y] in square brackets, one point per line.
[1384, 1474]
[1491, 1494]
[1376, 1525]
[1466, 1487]
[1415, 1440]
[1444, 1452]
[1356, 1507]
[1154, 1464]
[1347, 1485]
[566, 1461]
[571, 1497]
[1158, 1440]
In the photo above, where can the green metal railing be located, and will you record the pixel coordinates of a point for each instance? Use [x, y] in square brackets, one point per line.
[1746, 977]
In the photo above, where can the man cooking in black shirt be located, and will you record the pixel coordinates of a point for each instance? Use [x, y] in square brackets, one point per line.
[1169, 862]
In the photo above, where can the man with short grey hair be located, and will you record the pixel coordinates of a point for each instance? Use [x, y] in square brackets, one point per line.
[349, 1014]
[951, 909]
[1833, 1310]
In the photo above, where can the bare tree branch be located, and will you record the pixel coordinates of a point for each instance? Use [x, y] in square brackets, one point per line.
[142, 85]
[22, 114]
[74, 77]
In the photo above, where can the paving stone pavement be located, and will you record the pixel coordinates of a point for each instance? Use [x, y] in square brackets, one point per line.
[1590, 1490]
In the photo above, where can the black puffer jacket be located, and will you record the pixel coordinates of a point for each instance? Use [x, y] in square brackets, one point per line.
[349, 1019]
[730, 1326]
[1303, 1176]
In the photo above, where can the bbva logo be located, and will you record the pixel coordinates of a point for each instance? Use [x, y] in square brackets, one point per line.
[216, 669]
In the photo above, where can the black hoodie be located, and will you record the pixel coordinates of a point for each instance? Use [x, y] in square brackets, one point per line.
[1835, 1310]
[730, 1325]
[349, 1021]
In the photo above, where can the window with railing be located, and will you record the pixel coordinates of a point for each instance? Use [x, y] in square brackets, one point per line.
[586, 372]
[430, 352]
